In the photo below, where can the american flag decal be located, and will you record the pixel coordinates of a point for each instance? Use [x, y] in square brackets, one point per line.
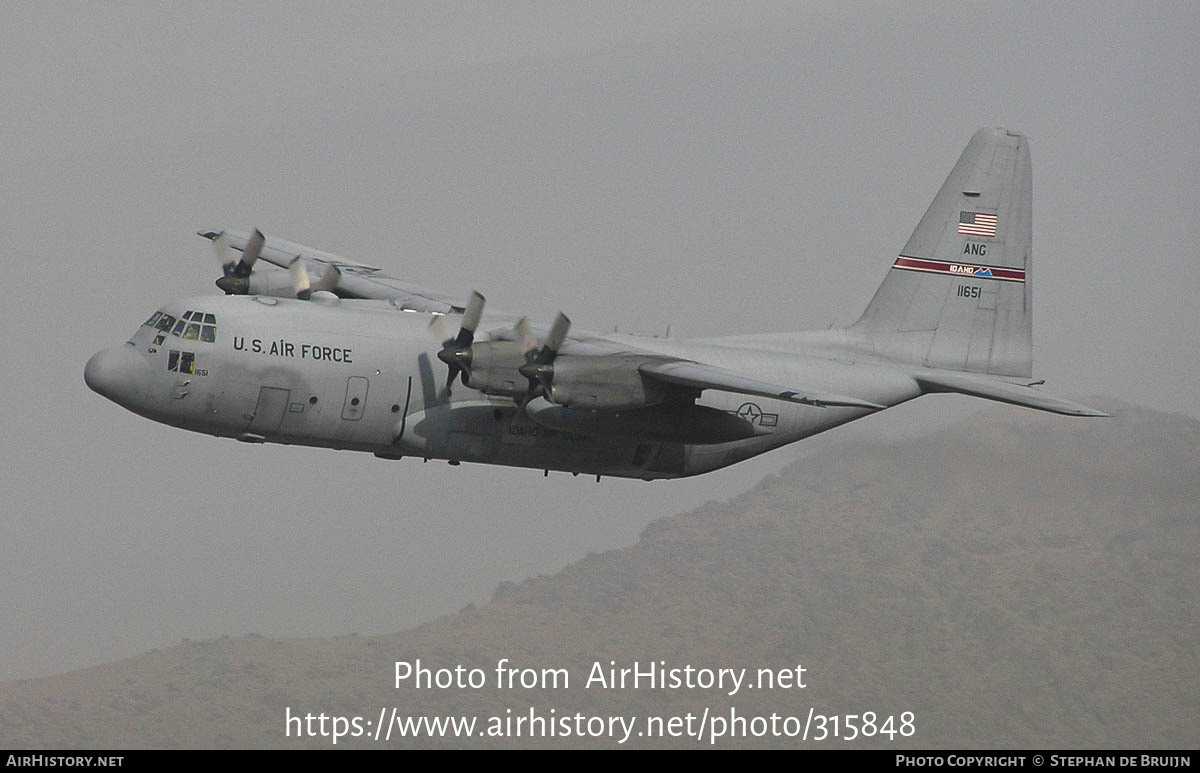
[977, 223]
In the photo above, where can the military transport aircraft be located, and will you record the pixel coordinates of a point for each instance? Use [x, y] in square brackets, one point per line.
[329, 352]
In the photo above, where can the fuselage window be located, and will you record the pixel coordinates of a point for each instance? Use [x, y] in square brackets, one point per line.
[173, 360]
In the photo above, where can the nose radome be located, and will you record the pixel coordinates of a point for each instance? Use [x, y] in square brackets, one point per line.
[119, 373]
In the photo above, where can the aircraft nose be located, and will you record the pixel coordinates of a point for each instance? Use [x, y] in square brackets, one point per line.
[119, 373]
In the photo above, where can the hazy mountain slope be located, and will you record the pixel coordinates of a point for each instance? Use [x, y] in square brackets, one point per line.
[1018, 580]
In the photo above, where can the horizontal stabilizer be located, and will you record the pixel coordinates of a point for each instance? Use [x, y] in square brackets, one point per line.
[1001, 391]
[697, 376]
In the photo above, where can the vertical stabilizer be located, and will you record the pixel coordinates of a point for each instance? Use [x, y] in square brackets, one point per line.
[960, 296]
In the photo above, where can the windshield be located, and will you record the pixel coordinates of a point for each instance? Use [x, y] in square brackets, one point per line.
[192, 326]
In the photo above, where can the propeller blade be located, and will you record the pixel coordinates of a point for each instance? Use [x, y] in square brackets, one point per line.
[440, 328]
[525, 336]
[554, 341]
[301, 283]
[253, 249]
[329, 279]
[226, 254]
[470, 320]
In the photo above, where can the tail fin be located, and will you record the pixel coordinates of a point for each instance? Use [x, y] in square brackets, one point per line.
[960, 296]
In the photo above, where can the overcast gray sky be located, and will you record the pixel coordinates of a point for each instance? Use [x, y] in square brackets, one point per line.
[724, 168]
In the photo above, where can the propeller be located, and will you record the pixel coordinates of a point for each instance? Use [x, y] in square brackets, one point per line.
[456, 352]
[235, 277]
[539, 368]
[302, 283]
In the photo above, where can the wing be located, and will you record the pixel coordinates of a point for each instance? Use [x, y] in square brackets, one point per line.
[695, 375]
[350, 279]
[346, 278]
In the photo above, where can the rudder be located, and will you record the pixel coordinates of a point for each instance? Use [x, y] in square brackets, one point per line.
[960, 296]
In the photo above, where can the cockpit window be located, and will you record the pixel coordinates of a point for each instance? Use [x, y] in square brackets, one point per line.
[196, 325]
[164, 323]
[153, 320]
[181, 362]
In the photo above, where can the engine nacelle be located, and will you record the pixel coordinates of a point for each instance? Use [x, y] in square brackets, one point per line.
[277, 284]
[607, 383]
[493, 368]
